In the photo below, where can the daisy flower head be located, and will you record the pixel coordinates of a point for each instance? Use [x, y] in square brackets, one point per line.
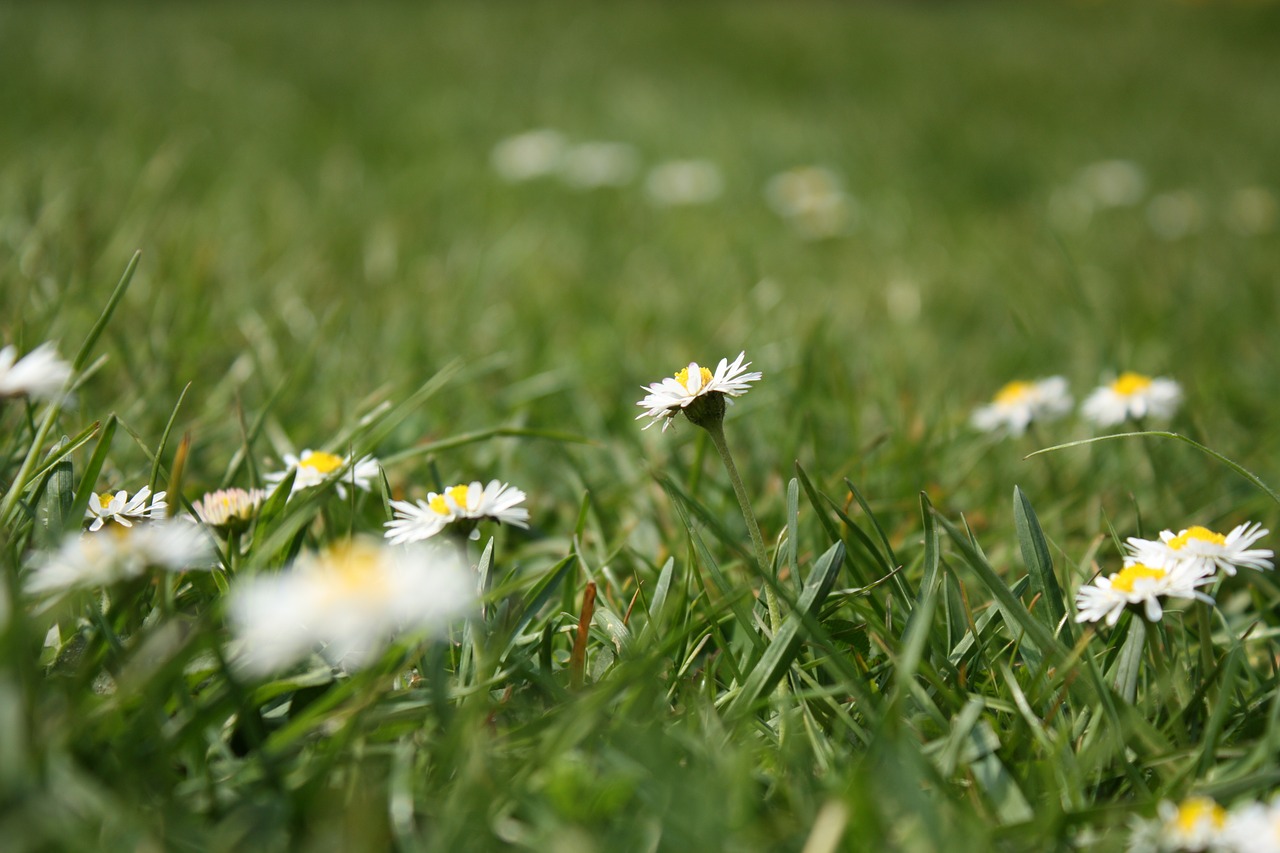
[1019, 403]
[1253, 828]
[813, 200]
[124, 510]
[1200, 551]
[348, 601]
[528, 155]
[463, 505]
[229, 509]
[1195, 824]
[118, 554]
[1132, 396]
[594, 165]
[698, 392]
[39, 374]
[1136, 584]
[316, 467]
[684, 182]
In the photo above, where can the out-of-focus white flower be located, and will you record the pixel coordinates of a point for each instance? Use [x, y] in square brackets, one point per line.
[1136, 583]
[670, 397]
[528, 155]
[463, 504]
[123, 509]
[1197, 824]
[1019, 403]
[680, 182]
[229, 508]
[1253, 828]
[1175, 215]
[120, 553]
[813, 200]
[590, 165]
[39, 374]
[1113, 183]
[1252, 210]
[1132, 395]
[1203, 552]
[348, 601]
[316, 467]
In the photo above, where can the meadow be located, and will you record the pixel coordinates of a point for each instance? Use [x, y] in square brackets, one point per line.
[255, 230]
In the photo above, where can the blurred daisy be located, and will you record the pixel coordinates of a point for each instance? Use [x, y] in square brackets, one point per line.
[229, 509]
[1132, 395]
[125, 510]
[589, 165]
[464, 505]
[1201, 551]
[692, 384]
[527, 155]
[1197, 824]
[315, 468]
[39, 374]
[349, 602]
[118, 554]
[812, 199]
[1175, 215]
[1136, 583]
[1017, 404]
[681, 182]
[1253, 828]
[1113, 183]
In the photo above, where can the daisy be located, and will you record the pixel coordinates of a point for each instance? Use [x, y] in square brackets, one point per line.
[120, 554]
[314, 468]
[1196, 824]
[1113, 183]
[1253, 828]
[124, 510]
[39, 374]
[591, 165]
[812, 199]
[464, 504]
[350, 601]
[1017, 404]
[229, 508]
[696, 384]
[1132, 395]
[1200, 551]
[527, 155]
[1136, 583]
[682, 182]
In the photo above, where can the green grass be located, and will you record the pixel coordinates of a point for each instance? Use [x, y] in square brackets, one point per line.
[320, 231]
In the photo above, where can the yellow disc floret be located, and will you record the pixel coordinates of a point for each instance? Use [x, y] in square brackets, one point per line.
[1014, 391]
[682, 376]
[1196, 809]
[459, 494]
[1130, 575]
[106, 498]
[324, 463]
[1202, 534]
[1129, 383]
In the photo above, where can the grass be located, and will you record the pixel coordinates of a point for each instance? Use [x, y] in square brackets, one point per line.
[321, 233]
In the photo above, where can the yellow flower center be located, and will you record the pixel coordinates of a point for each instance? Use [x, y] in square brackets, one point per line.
[1202, 534]
[1014, 391]
[1196, 809]
[105, 498]
[1129, 575]
[324, 463]
[682, 376]
[1128, 384]
[459, 495]
[350, 569]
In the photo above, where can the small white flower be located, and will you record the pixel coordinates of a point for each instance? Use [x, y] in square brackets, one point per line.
[119, 553]
[668, 398]
[123, 509]
[1017, 404]
[464, 503]
[528, 155]
[315, 468]
[590, 165]
[1175, 215]
[1253, 828]
[350, 600]
[681, 182]
[1113, 183]
[1132, 395]
[229, 507]
[1201, 551]
[813, 200]
[1136, 583]
[39, 374]
[1197, 824]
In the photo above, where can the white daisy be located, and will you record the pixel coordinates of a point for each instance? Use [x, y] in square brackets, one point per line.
[1196, 824]
[465, 504]
[682, 182]
[39, 374]
[1135, 396]
[1136, 583]
[1113, 183]
[528, 155]
[124, 510]
[1201, 551]
[1017, 404]
[118, 554]
[315, 468]
[813, 200]
[591, 165]
[1253, 828]
[350, 601]
[668, 398]
[229, 508]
